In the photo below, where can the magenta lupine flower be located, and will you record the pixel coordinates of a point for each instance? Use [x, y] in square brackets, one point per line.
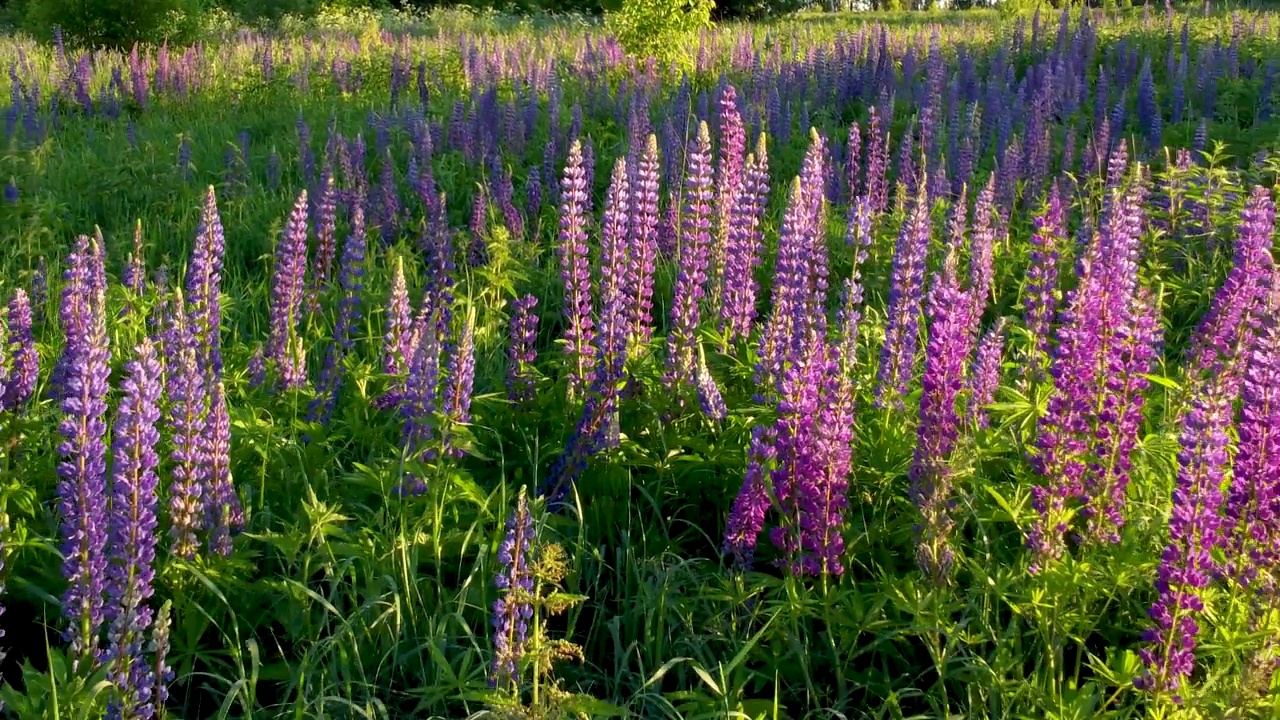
[1253, 503]
[746, 241]
[575, 270]
[643, 250]
[24, 359]
[613, 274]
[1223, 336]
[986, 222]
[811, 317]
[691, 277]
[132, 533]
[728, 183]
[746, 519]
[82, 486]
[460, 378]
[834, 438]
[984, 374]
[204, 288]
[1040, 298]
[780, 341]
[1195, 531]
[522, 351]
[326, 223]
[513, 610]
[223, 513]
[939, 429]
[288, 285]
[134, 276]
[187, 396]
[898, 356]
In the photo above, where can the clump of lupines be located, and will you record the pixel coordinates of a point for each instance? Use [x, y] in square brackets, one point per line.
[692, 264]
[82, 472]
[351, 282]
[513, 610]
[643, 249]
[288, 286]
[576, 272]
[522, 351]
[132, 534]
[746, 239]
[23, 358]
[898, 355]
[747, 517]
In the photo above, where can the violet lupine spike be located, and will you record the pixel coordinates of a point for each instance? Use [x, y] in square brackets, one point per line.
[397, 343]
[513, 610]
[1196, 529]
[614, 324]
[940, 423]
[986, 222]
[1040, 298]
[877, 185]
[727, 185]
[161, 672]
[643, 251]
[461, 374]
[288, 286]
[898, 356]
[853, 162]
[984, 374]
[834, 448]
[82, 473]
[1253, 501]
[326, 223]
[691, 277]
[23, 357]
[134, 276]
[710, 399]
[204, 288]
[223, 512]
[421, 399]
[257, 367]
[522, 350]
[351, 282]
[575, 271]
[746, 241]
[746, 519]
[1223, 336]
[132, 533]
[781, 337]
[477, 253]
[811, 318]
[187, 398]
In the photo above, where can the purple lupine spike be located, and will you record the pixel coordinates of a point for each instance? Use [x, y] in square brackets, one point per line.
[612, 339]
[24, 358]
[223, 512]
[203, 288]
[326, 223]
[257, 367]
[513, 610]
[853, 161]
[389, 206]
[1040, 298]
[421, 398]
[351, 278]
[1222, 337]
[288, 285]
[833, 443]
[161, 673]
[533, 194]
[397, 343]
[643, 250]
[1195, 531]
[82, 472]
[728, 182]
[135, 270]
[576, 272]
[746, 241]
[691, 278]
[132, 533]
[781, 338]
[187, 396]
[984, 374]
[746, 519]
[477, 253]
[986, 223]
[931, 473]
[39, 290]
[710, 399]
[461, 373]
[522, 350]
[898, 356]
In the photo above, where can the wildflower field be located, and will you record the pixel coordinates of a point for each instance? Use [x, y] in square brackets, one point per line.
[850, 366]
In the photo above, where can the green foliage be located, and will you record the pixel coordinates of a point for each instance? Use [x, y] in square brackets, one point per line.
[660, 29]
[756, 9]
[115, 23]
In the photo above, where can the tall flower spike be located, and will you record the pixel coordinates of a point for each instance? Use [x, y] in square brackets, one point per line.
[203, 288]
[986, 220]
[421, 398]
[513, 610]
[223, 513]
[132, 533]
[326, 223]
[135, 270]
[746, 240]
[396, 347]
[643, 251]
[691, 277]
[728, 185]
[522, 351]
[1040, 300]
[746, 519]
[898, 356]
[24, 359]
[82, 472]
[575, 270]
[186, 388]
[287, 288]
[461, 378]
[984, 375]
[613, 274]
[781, 341]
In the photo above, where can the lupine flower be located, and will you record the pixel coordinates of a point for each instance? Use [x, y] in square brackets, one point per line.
[203, 287]
[257, 367]
[691, 278]
[24, 359]
[135, 270]
[729, 182]
[187, 395]
[576, 272]
[746, 239]
[898, 356]
[984, 374]
[612, 339]
[350, 280]
[643, 250]
[877, 187]
[39, 290]
[477, 253]
[939, 429]
[781, 340]
[746, 519]
[397, 343]
[421, 401]
[82, 472]
[460, 379]
[326, 223]
[513, 610]
[982, 252]
[287, 289]
[132, 533]
[1040, 300]
[709, 396]
[521, 352]
[159, 648]
[1195, 530]
[223, 512]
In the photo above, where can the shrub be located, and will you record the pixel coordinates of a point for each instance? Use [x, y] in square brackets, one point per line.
[115, 23]
[661, 29]
[756, 9]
